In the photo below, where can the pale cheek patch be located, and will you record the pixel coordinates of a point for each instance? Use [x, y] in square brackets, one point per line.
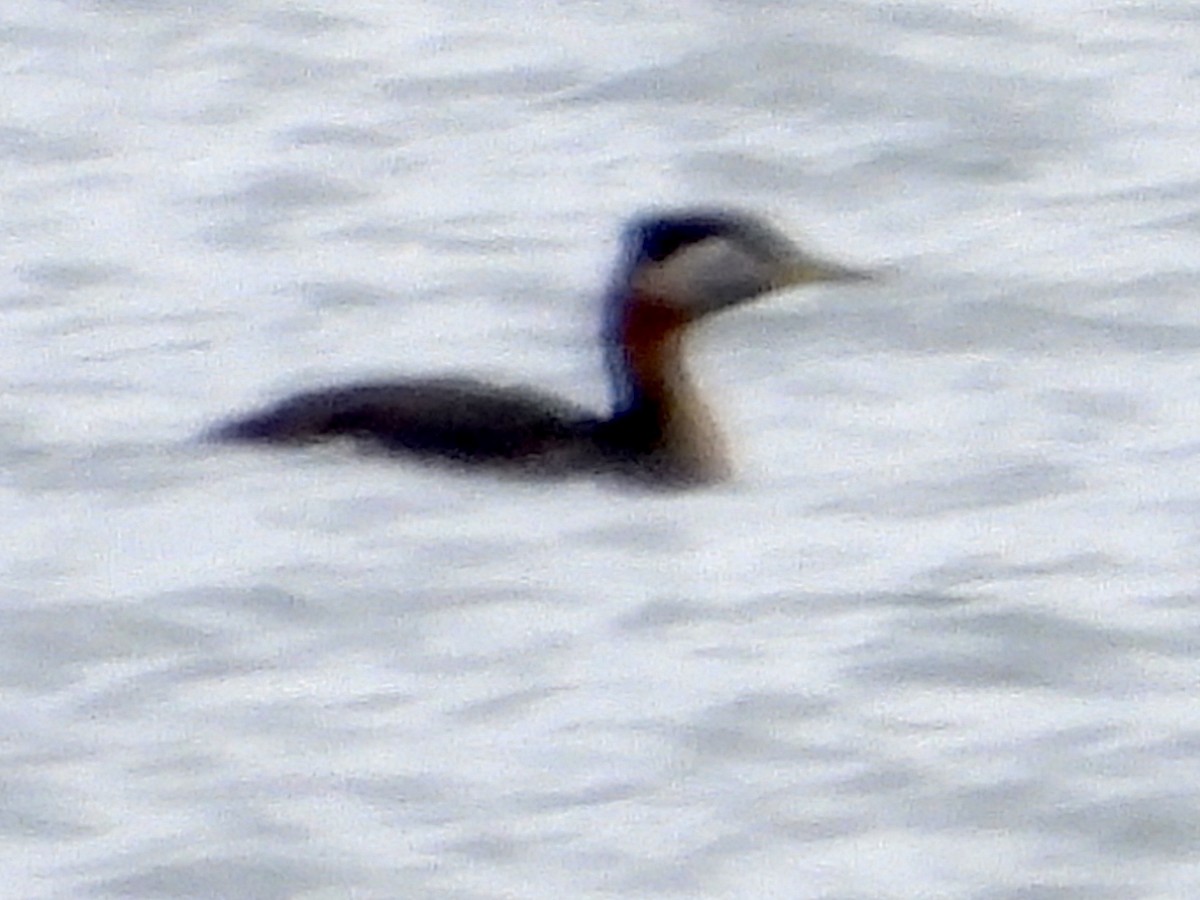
[657, 280]
[698, 276]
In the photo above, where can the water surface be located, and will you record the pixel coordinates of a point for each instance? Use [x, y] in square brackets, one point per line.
[938, 636]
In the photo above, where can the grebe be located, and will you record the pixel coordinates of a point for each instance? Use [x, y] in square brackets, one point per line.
[676, 269]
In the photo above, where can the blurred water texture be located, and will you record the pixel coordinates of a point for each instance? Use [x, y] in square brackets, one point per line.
[938, 638]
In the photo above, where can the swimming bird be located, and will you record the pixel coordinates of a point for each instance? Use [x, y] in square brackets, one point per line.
[676, 269]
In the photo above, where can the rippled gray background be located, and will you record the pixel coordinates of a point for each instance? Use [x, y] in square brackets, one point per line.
[939, 636]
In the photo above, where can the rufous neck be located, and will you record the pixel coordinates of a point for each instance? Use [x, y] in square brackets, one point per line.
[656, 405]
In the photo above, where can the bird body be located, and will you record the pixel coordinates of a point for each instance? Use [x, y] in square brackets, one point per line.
[676, 270]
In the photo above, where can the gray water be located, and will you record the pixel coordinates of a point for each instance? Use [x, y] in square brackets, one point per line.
[938, 637]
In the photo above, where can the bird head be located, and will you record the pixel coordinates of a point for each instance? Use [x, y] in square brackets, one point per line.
[699, 262]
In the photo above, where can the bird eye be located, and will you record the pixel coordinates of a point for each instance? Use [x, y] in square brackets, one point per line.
[661, 239]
